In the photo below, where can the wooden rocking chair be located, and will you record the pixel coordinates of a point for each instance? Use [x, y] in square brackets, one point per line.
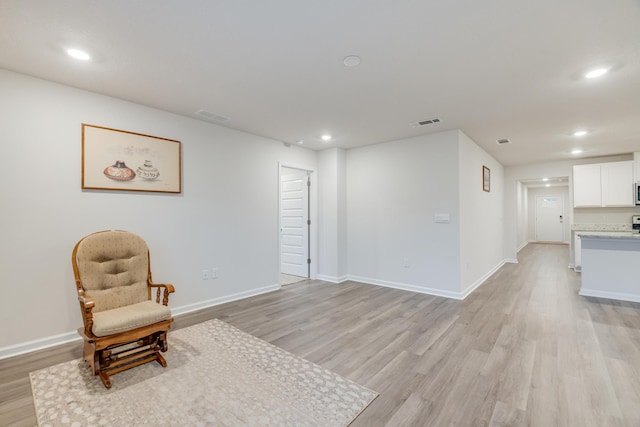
[123, 326]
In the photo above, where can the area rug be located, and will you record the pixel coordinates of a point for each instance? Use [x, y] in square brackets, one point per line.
[216, 375]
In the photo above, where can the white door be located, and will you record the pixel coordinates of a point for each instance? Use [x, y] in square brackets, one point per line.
[549, 219]
[294, 213]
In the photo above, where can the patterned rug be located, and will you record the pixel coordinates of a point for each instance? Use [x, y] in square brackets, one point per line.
[216, 375]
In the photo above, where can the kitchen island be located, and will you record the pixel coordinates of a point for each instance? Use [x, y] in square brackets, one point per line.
[611, 267]
[578, 230]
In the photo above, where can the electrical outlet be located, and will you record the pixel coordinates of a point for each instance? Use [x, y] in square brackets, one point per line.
[405, 263]
[205, 274]
[214, 273]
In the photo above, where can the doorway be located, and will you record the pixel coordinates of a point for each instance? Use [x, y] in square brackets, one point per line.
[295, 225]
[549, 218]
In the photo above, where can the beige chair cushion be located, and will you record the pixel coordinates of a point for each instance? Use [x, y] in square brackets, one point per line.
[129, 317]
[113, 267]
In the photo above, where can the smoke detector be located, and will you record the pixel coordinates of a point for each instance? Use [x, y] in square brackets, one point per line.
[212, 116]
[426, 122]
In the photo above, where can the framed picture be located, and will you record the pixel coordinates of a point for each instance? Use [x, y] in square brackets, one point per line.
[115, 159]
[486, 179]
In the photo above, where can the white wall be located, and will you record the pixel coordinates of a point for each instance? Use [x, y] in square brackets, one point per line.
[343, 241]
[332, 215]
[226, 216]
[481, 215]
[562, 191]
[393, 191]
[522, 215]
[605, 215]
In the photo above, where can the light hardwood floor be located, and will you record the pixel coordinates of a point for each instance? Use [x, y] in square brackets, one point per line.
[522, 350]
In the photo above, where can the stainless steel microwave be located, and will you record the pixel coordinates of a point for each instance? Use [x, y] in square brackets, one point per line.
[636, 193]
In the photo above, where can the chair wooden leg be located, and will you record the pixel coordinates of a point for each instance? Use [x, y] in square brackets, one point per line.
[104, 377]
[163, 342]
[161, 360]
[90, 357]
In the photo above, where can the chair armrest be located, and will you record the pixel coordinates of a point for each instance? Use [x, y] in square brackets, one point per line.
[86, 305]
[168, 289]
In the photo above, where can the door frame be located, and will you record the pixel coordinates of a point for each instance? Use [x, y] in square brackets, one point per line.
[564, 216]
[313, 216]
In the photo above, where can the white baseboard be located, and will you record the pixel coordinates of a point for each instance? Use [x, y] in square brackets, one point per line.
[522, 246]
[407, 287]
[609, 295]
[39, 344]
[475, 285]
[510, 261]
[223, 300]
[52, 341]
[332, 279]
[431, 291]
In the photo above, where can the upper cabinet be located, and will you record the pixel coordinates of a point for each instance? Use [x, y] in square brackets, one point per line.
[587, 185]
[603, 184]
[617, 184]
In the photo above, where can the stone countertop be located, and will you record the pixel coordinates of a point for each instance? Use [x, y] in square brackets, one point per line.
[625, 236]
[601, 227]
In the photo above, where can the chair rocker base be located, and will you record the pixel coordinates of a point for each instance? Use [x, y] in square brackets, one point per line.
[106, 356]
[129, 363]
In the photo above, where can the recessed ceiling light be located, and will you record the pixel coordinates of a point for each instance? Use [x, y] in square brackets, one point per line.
[351, 61]
[548, 185]
[576, 151]
[545, 179]
[78, 54]
[580, 133]
[596, 73]
[300, 141]
[326, 137]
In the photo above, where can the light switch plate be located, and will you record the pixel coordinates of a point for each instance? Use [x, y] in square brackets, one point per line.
[442, 217]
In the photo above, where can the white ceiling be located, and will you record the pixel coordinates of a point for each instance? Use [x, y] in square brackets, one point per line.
[493, 68]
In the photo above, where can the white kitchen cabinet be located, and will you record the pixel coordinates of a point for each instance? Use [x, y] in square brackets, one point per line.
[587, 185]
[617, 184]
[603, 185]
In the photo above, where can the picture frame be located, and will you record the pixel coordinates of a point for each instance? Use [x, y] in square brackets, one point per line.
[486, 179]
[114, 159]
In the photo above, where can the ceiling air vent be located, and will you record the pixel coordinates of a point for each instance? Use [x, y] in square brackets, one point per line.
[212, 116]
[503, 141]
[426, 122]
